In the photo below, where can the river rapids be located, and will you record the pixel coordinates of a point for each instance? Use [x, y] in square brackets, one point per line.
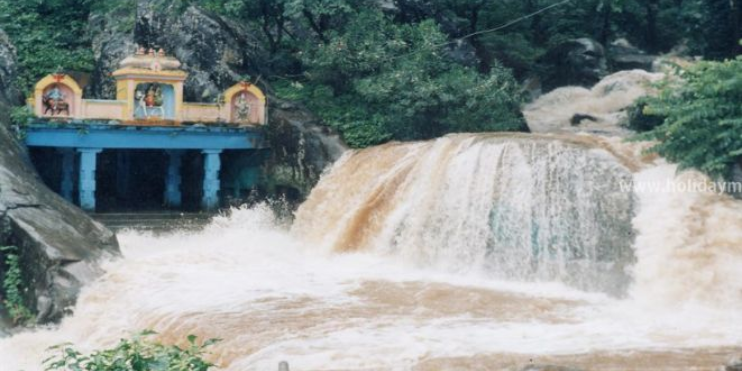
[469, 252]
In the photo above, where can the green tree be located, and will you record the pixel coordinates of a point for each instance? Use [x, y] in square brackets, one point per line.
[702, 126]
[49, 35]
[379, 80]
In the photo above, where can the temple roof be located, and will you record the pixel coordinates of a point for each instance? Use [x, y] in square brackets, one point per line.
[150, 63]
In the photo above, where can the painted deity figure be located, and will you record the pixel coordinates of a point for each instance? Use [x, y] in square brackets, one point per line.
[54, 102]
[149, 103]
[242, 107]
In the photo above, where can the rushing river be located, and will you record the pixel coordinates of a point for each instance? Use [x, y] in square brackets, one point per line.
[472, 252]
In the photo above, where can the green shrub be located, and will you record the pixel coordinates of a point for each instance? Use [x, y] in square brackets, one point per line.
[14, 288]
[702, 126]
[136, 354]
[20, 116]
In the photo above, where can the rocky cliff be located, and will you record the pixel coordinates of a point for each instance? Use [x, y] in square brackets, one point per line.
[60, 247]
[301, 148]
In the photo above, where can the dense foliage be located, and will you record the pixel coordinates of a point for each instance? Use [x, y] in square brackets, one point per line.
[49, 35]
[14, 289]
[398, 69]
[379, 80]
[700, 117]
[136, 354]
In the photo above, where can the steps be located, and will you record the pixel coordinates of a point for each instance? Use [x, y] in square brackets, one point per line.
[155, 221]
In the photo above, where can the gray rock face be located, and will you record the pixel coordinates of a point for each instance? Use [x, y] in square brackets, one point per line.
[624, 56]
[580, 62]
[215, 52]
[60, 246]
[301, 149]
[112, 42]
[734, 365]
[7, 70]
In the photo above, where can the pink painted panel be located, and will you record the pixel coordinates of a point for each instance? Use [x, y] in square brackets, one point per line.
[112, 110]
[202, 113]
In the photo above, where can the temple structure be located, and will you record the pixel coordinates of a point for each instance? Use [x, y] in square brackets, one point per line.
[149, 117]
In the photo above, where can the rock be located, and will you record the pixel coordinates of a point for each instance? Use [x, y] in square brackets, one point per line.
[60, 246]
[579, 62]
[112, 42]
[301, 148]
[8, 67]
[601, 110]
[624, 56]
[579, 117]
[216, 52]
[735, 364]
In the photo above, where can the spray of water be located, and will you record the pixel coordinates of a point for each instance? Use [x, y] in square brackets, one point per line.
[469, 252]
[313, 299]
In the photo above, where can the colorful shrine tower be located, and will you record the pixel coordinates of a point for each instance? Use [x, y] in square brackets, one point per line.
[148, 114]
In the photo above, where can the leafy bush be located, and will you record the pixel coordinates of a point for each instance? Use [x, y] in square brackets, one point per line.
[702, 125]
[20, 116]
[14, 288]
[136, 354]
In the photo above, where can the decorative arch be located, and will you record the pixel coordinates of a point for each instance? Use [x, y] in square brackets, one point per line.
[245, 104]
[65, 92]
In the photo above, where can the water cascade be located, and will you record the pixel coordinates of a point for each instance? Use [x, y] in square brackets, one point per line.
[374, 273]
[475, 252]
[509, 206]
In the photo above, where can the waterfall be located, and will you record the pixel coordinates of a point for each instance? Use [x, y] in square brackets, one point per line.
[433, 255]
[472, 251]
[519, 207]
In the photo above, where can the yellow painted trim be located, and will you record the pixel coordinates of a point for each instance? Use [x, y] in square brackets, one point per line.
[50, 80]
[139, 73]
[234, 90]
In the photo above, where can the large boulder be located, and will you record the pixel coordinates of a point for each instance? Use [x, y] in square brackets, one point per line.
[579, 62]
[301, 149]
[216, 52]
[624, 56]
[60, 246]
[112, 41]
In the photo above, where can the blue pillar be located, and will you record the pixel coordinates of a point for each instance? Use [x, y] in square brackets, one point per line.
[88, 157]
[68, 169]
[173, 196]
[212, 164]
